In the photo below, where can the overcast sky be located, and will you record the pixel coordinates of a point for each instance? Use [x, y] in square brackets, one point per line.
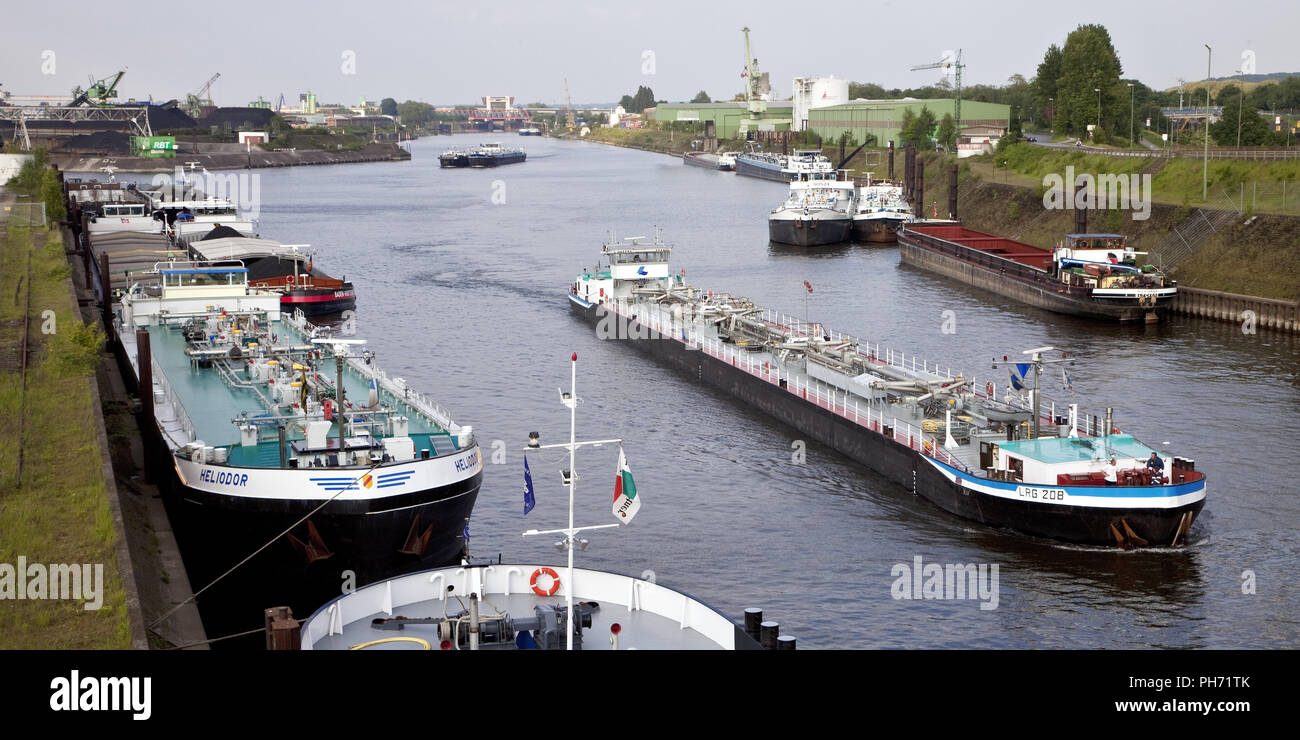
[455, 53]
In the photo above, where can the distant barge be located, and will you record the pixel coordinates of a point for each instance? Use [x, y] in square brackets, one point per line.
[709, 161]
[1089, 275]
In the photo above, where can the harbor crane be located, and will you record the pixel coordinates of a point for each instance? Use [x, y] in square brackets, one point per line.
[98, 93]
[201, 96]
[955, 64]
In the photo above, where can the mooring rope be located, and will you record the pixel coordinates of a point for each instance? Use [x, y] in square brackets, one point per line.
[254, 554]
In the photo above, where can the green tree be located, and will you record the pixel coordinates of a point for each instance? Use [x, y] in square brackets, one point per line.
[906, 125]
[1254, 131]
[1088, 63]
[948, 133]
[1046, 87]
[701, 97]
[919, 130]
[626, 102]
[52, 194]
[415, 113]
[866, 90]
[644, 98]
[388, 107]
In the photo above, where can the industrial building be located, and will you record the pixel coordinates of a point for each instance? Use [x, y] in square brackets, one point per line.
[884, 118]
[726, 116]
[881, 118]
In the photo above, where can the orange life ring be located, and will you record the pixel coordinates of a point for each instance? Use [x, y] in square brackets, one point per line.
[988, 389]
[288, 279]
[555, 582]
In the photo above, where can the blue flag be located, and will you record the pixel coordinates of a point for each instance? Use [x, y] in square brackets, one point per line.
[467, 530]
[1015, 381]
[1066, 382]
[1023, 369]
[529, 500]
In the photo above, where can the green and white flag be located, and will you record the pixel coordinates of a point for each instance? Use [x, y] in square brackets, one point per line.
[626, 503]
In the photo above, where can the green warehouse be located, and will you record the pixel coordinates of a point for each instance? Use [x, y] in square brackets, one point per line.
[884, 118]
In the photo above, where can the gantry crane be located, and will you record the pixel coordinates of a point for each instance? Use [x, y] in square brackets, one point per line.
[194, 102]
[957, 66]
[100, 91]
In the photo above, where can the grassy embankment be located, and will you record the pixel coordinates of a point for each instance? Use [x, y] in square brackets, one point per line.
[60, 514]
[1257, 254]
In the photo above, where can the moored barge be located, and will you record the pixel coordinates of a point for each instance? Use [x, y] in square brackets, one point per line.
[1089, 275]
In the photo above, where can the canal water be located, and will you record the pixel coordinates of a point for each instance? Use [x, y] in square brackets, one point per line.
[461, 278]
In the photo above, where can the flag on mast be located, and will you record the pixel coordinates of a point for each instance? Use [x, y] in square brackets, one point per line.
[529, 500]
[1016, 380]
[626, 503]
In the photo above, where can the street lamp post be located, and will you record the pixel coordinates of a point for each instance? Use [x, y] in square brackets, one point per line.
[1130, 114]
[1241, 93]
[1205, 159]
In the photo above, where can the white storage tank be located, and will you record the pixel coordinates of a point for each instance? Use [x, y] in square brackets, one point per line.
[816, 92]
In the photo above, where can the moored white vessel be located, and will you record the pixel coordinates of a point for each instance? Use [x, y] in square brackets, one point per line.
[818, 211]
[880, 210]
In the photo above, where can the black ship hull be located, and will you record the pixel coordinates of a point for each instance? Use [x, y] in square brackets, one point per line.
[455, 160]
[901, 463]
[319, 301]
[875, 231]
[809, 232]
[496, 160]
[744, 167]
[345, 545]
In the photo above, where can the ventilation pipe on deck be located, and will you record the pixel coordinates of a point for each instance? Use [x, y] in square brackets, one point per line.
[891, 159]
[284, 453]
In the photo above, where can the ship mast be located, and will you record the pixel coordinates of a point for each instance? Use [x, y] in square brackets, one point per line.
[569, 400]
[339, 346]
[1036, 359]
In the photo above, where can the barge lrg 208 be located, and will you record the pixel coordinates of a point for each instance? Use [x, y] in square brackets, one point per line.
[947, 438]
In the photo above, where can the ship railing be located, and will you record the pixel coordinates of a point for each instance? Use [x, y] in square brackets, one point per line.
[182, 416]
[421, 402]
[661, 322]
[839, 402]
